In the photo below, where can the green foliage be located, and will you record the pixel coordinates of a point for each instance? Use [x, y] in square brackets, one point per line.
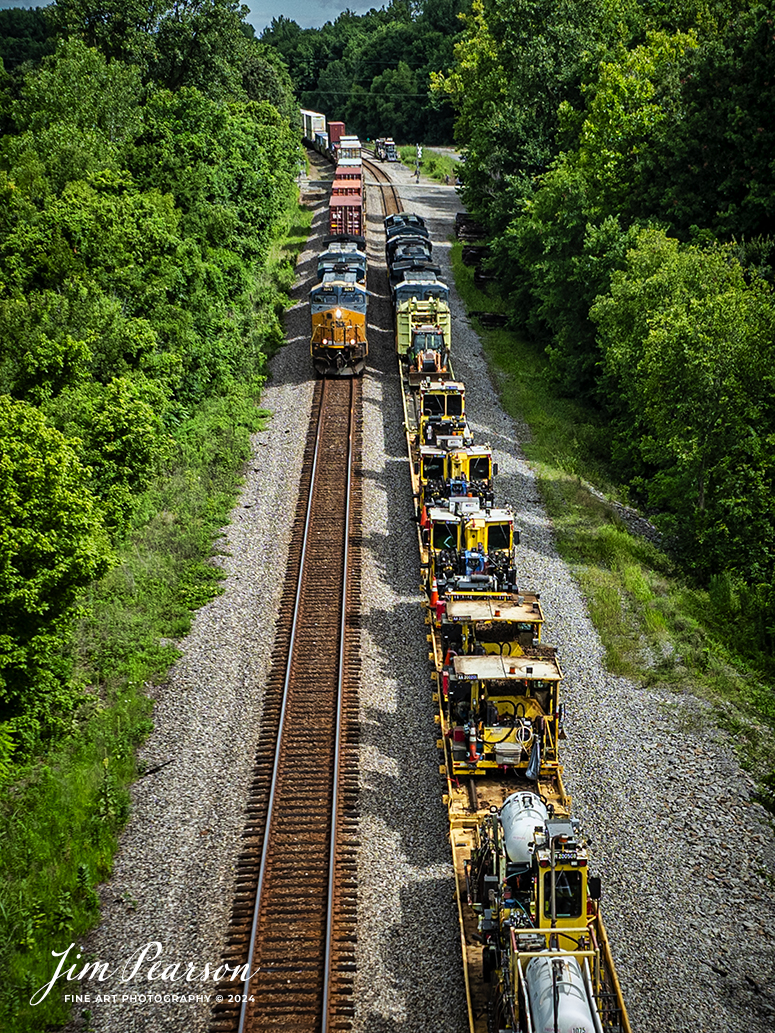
[373, 71]
[135, 222]
[688, 343]
[52, 544]
[77, 87]
[24, 36]
[441, 167]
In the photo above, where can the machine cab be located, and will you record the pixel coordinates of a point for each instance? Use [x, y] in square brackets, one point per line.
[479, 556]
[505, 624]
[442, 411]
[456, 471]
[503, 713]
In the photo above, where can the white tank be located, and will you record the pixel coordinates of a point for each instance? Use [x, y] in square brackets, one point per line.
[574, 1009]
[520, 814]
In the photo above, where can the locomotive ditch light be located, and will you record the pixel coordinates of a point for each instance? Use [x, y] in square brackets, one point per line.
[338, 313]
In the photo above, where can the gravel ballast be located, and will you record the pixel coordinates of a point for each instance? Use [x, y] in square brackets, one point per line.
[685, 855]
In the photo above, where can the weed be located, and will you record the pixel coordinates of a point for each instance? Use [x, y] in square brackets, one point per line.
[441, 167]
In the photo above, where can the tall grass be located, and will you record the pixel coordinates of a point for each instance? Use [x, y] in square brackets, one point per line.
[434, 165]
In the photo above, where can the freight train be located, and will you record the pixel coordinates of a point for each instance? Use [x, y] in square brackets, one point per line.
[536, 956]
[338, 300]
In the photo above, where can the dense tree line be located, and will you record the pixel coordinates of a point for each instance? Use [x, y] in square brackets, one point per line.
[145, 162]
[373, 71]
[622, 157]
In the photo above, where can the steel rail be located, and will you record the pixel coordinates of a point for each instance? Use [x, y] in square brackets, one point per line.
[386, 185]
[286, 684]
[337, 749]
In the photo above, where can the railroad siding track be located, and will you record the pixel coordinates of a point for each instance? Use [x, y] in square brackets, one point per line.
[297, 858]
[391, 202]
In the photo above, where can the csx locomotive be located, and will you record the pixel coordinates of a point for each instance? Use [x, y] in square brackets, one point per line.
[338, 301]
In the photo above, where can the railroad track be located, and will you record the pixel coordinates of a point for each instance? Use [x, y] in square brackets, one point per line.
[390, 199]
[293, 927]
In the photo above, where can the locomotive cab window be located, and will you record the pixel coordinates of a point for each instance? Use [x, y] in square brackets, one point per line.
[567, 894]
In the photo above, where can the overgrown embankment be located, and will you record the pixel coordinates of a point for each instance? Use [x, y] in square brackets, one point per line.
[657, 625]
[149, 228]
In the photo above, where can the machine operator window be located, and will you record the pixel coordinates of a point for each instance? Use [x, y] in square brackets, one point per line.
[433, 468]
[479, 468]
[497, 537]
[454, 405]
[444, 536]
[567, 894]
[433, 405]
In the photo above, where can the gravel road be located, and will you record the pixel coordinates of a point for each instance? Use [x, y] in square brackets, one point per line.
[686, 856]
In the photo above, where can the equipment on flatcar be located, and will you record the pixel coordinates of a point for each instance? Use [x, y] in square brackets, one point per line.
[444, 472]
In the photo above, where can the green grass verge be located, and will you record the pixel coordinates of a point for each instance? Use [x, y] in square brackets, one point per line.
[655, 626]
[433, 165]
[61, 815]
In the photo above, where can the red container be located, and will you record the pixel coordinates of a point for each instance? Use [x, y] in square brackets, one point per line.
[335, 132]
[345, 215]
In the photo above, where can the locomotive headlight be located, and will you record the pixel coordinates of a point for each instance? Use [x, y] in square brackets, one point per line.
[352, 340]
[338, 313]
[325, 340]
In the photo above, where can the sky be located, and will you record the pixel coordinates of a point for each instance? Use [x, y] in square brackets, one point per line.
[307, 13]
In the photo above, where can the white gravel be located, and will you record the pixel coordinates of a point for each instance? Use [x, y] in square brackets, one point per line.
[686, 857]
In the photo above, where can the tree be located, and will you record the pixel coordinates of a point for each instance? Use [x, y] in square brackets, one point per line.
[52, 544]
[688, 346]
